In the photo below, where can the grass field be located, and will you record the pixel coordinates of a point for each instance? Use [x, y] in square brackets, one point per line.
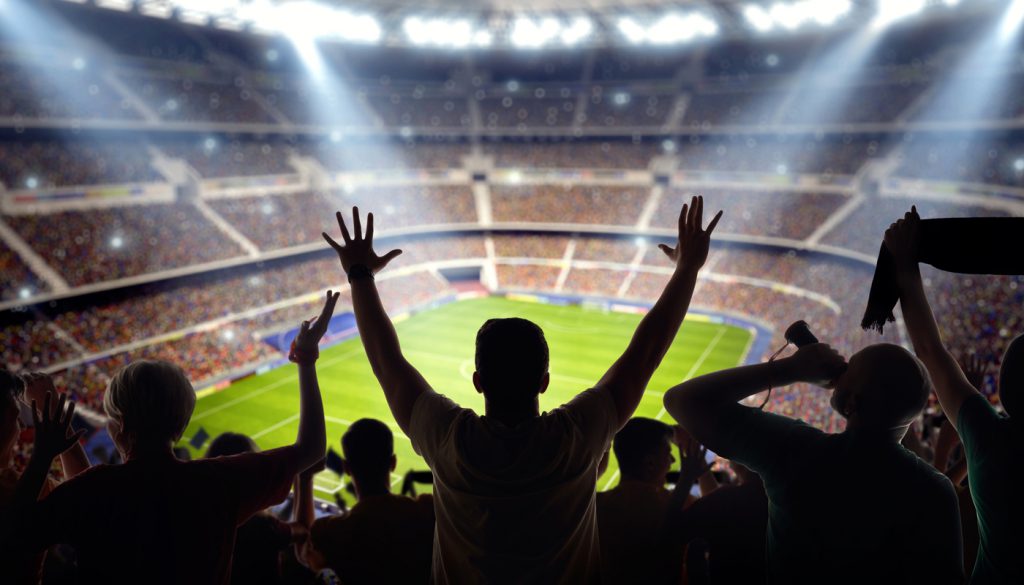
[439, 342]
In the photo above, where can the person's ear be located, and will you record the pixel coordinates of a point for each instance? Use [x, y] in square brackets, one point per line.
[476, 382]
[394, 462]
[544, 381]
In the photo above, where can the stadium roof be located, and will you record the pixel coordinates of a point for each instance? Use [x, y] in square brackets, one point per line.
[542, 24]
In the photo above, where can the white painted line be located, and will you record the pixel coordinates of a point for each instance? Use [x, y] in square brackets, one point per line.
[276, 426]
[697, 364]
[693, 369]
[267, 388]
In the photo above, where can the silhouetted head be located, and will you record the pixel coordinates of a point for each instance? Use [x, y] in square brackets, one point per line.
[149, 404]
[11, 389]
[511, 362]
[231, 444]
[369, 449]
[884, 387]
[1011, 375]
[643, 449]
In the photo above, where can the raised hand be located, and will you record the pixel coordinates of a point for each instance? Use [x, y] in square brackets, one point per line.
[358, 250]
[817, 364]
[974, 369]
[37, 384]
[310, 332]
[53, 432]
[692, 458]
[902, 238]
[694, 241]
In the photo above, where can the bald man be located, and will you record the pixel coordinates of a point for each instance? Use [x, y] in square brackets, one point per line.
[851, 507]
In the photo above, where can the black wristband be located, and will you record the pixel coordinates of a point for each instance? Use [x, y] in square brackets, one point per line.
[358, 272]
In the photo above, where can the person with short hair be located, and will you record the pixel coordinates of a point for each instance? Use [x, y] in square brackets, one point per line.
[261, 539]
[154, 518]
[731, 523]
[635, 518]
[383, 538]
[514, 489]
[993, 444]
[852, 507]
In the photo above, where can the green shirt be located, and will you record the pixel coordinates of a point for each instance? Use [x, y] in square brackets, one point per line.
[847, 507]
[995, 450]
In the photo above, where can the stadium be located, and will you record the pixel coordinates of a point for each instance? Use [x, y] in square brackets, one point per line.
[167, 168]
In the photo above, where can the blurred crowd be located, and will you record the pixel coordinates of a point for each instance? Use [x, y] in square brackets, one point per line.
[101, 244]
[568, 203]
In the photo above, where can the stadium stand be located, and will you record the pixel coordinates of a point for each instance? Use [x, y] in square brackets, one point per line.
[106, 244]
[568, 204]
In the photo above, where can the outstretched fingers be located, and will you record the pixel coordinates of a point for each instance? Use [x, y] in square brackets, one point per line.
[369, 228]
[330, 240]
[357, 223]
[714, 222]
[344, 229]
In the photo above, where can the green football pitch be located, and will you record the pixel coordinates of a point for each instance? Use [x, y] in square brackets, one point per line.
[439, 342]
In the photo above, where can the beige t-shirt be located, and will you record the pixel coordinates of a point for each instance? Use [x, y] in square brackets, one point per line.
[515, 505]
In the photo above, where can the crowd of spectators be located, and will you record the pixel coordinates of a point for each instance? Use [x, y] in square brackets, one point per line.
[70, 90]
[528, 111]
[568, 203]
[860, 231]
[41, 164]
[590, 154]
[422, 111]
[601, 282]
[621, 108]
[16, 277]
[778, 155]
[366, 156]
[102, 244]
[887, 101]
[707, 109]
[406, 206]
[177, 95]
[781, 214]
[435, 249]
[529, 246]
[529, 277]
[213, 157]
[27, 343]
[280, 221]
[32, 342]
[963, 159]
[621, 250]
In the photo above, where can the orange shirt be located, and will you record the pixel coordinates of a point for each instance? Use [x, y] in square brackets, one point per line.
[382, 539]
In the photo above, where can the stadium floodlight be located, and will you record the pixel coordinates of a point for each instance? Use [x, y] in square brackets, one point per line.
[25, 293]
[670, 29]
[121, 5]
[794, 15]
[890, 11]
[308, 21]
[529, 33]
[1011, 20]
[156, 8]
[454, 33]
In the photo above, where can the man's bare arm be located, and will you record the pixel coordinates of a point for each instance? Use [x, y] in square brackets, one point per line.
[951, 385]
[402, 383]
[627, 379]
[697, 404]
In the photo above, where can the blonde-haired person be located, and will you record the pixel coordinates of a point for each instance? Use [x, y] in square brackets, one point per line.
[155, 518]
